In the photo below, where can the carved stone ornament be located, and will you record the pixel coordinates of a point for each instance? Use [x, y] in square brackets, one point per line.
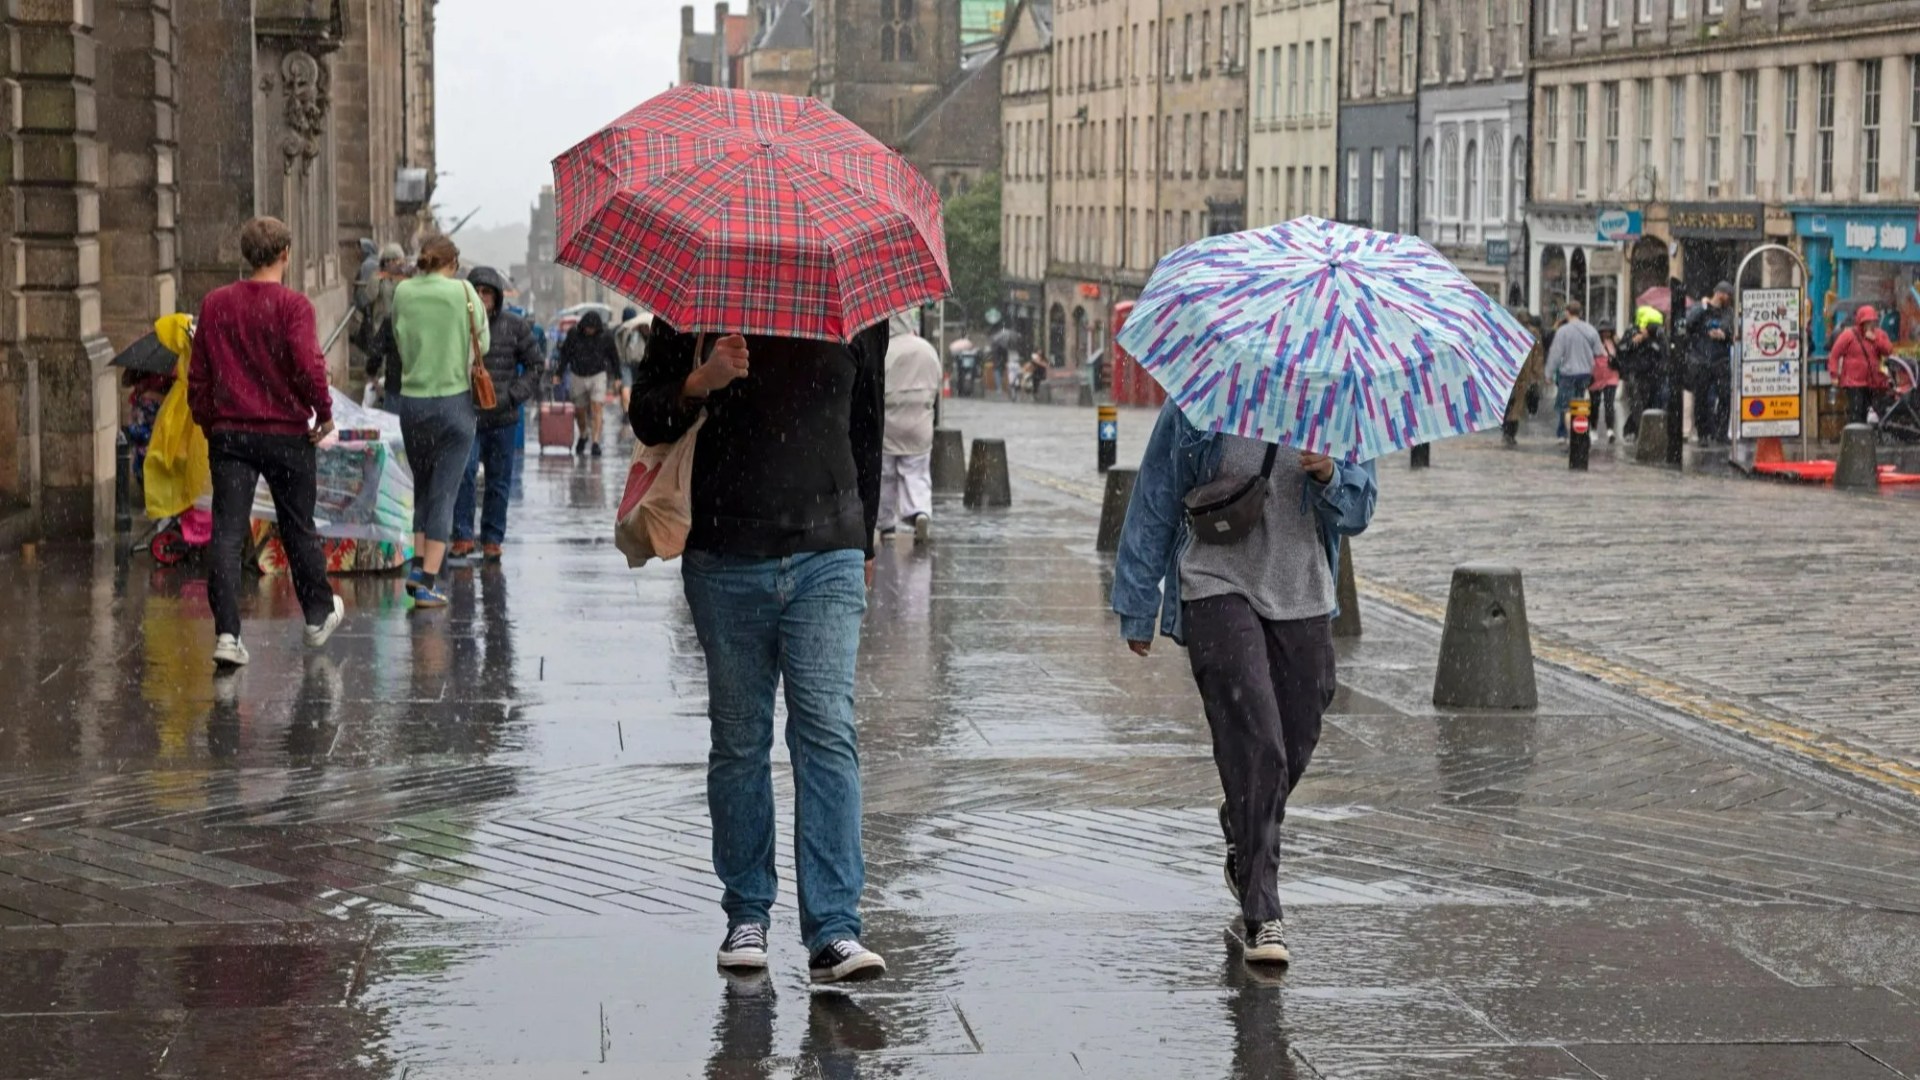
[305, 82]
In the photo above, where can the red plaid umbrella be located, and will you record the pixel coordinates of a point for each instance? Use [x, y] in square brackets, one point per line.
[734, 210]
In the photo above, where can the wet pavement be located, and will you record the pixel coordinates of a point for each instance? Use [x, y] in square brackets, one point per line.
[473, 843]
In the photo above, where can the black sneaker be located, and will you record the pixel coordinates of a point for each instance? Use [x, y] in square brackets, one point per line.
[580, 447]
[596, 449]
[846, 960]
[745, 948]
[1267, 943]
[1233, 861]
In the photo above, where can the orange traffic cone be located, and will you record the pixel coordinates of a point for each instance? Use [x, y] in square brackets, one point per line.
[1768, 452]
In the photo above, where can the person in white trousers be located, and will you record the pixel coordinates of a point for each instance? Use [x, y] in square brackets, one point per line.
[913, 388]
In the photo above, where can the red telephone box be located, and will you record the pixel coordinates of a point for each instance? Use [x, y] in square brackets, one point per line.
[1132, 386]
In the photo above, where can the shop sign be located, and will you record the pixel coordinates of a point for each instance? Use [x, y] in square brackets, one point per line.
[1603, 262]
[1020, 294]
[1717, 221]
[1089, 291]
[1499, 252]
[1867, 237]
[1771, 371]
[1616, 226]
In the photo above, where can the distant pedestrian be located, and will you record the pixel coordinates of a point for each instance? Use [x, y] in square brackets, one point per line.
[257, 385]
[913, 389]
[1643, 367]
[1858, 359]
[438, 322]
[1570, 359]
[1606, 386]
[786, 493]
[514, 362]
[1524, 399]
[1710, 364]
[630, 341]
[589, 359]
[374, 298]
[1255, 616]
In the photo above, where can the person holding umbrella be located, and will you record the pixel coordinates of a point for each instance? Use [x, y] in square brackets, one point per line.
[1292, 357]
[773, 341]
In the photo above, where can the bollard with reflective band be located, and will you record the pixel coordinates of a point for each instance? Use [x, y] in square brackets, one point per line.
[1580, 441]
[1108, 434]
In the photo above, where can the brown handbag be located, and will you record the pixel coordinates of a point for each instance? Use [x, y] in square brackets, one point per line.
[483, 395]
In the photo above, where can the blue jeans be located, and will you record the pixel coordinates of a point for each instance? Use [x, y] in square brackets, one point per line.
[761, 621]
[492, 447]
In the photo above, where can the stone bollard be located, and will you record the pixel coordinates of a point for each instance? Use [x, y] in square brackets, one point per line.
[987, 483]
[1651, 446]
[1486, 653]
[1421, 457]
[1859, 467]
[949, 460]
[1086, 394]
[1347, 623]
[1113, 508]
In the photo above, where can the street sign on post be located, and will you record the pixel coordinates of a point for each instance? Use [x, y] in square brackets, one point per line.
[1772, 371]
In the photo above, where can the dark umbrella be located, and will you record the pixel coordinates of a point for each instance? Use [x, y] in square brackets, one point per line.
[148, 357]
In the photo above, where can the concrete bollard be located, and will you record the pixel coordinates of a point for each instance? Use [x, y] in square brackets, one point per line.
[1421, 456]
[1486, 652]
[1651, 445]
[949, 460]
[1347, 623]
[1086, 394]
[987, 483]
[1859, 467]
[1113, 508]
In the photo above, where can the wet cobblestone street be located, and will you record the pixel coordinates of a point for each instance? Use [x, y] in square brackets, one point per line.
[474, 844]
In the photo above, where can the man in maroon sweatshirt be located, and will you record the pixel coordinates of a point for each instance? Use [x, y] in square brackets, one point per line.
[257, 385]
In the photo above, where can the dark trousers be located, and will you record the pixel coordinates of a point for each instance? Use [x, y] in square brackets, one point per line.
[1859, 400]
[239, 460]
[1603, 410]
[1265, 686]
[492, 450]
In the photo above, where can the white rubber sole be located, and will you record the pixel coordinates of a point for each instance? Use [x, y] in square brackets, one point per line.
[1264, 956]
[922, 529]
[744, 960]
[854, 969]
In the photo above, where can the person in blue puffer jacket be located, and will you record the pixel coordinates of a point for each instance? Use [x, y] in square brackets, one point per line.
[1256, 618]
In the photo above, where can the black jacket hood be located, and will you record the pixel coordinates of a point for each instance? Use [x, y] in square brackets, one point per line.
[489, 278]
[592, 321]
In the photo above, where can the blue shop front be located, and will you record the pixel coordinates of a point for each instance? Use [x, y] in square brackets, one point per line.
[1862, 255]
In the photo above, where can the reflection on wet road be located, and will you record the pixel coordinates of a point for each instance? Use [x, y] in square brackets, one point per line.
[474, 844]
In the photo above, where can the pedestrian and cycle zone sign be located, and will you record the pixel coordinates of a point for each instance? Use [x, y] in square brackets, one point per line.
[1771, 368]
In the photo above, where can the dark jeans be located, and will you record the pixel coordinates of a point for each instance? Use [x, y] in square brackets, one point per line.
[1265, 686]
[492, 449]
[762, 624]
[1603, 411]
[239, 460]
[1859, 400]
[1713, 404]
[438, 433]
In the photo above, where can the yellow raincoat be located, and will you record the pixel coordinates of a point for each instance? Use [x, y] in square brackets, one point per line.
[177, 472]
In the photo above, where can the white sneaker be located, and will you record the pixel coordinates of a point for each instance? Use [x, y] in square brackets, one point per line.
[318, 635]
[922, 528]
[228, 652]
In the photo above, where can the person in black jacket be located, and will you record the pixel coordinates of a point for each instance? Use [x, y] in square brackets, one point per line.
[514, 362]
[590, 356]
[786, 493]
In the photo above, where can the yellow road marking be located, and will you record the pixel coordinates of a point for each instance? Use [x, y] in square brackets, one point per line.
[1825, 748]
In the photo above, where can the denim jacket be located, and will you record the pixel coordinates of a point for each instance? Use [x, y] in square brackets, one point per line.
[1181, 457]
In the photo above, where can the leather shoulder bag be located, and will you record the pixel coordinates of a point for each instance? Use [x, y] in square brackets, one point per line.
[1225, 510]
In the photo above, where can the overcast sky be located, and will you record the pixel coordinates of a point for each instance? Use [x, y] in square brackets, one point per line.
[520, 82]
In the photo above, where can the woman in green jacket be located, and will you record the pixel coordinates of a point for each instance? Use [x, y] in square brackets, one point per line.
[437, 320]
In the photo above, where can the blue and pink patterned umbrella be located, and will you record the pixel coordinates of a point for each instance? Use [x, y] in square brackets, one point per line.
[1326, 337]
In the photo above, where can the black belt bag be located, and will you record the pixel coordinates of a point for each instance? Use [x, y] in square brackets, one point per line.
[1224, 511]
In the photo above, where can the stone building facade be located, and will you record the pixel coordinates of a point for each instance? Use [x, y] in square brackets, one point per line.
[1379, 88]
[1723, 125]
[1473, 124]
[144, 132]
[1026, 131]
[1291, 143]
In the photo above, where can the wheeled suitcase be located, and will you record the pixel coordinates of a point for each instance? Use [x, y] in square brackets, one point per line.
[556, 424]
